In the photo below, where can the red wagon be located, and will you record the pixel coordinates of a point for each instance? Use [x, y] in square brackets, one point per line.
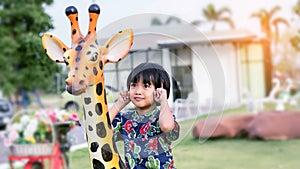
[56, 160]
[51, 154]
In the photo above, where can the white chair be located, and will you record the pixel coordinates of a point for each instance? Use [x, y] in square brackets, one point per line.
[186, 108]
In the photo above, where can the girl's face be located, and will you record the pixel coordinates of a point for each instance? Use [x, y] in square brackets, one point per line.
[142, 96]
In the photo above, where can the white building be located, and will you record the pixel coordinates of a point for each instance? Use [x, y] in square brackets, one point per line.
[217, 68]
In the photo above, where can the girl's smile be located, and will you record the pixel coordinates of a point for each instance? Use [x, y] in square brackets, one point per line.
[138, 98]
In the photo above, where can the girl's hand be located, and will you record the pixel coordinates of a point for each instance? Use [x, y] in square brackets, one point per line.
[122, 101]
[124, 98]
[160, 95]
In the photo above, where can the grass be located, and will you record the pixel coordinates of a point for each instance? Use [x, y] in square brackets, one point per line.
[237, 154]
[224, 154]
[240, 153]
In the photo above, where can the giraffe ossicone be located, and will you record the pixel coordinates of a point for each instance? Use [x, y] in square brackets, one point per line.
[85, 60]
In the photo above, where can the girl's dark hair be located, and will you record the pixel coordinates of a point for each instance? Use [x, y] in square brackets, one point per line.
[150, 72]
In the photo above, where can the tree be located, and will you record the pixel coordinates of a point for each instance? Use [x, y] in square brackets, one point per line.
[276, 23]
[212, 15]
[295, 40]
[156, 21]
[172, 19]
[24, 65]
[267, 20]
[296, 8]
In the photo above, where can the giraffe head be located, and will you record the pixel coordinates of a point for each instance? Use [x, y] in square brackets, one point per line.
[86, 58]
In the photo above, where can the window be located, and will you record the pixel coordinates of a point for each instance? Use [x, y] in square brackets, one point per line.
[116, 73]
[181, 63]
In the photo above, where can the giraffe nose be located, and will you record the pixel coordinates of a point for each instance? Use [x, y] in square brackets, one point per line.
[75, 87]
[81, 82]
[69, 82]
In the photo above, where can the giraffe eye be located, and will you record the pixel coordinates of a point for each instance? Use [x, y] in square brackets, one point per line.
[66, 61]
[94, 57]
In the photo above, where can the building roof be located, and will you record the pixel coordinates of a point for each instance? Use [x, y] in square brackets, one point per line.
[228, 36]
[170, 36]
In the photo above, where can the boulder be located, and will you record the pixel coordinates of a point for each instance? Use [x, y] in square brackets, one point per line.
[275, 125]
[228, 126]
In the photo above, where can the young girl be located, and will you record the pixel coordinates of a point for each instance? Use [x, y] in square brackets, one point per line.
[147, 131]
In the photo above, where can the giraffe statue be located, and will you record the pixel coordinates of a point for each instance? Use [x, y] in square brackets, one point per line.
[85, 61]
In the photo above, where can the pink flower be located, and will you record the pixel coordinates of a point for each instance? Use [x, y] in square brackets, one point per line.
[38, 115]
[7, 142]
[74, 117]
[13, 135]
[9, 138]
[51, 114]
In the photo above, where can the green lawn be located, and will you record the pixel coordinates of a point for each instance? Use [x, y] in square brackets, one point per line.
[239, 153]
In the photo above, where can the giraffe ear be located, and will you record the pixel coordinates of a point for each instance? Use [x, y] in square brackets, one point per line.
[118, 46]
[54, 47]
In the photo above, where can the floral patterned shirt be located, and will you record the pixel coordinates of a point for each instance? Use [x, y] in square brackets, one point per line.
[145, 145]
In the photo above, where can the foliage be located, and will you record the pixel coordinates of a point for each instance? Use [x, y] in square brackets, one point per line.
[214, 16]
[296, 8]
[23, 61]
[268, 19]
[156, 21]
[295, 40]
[173, 19]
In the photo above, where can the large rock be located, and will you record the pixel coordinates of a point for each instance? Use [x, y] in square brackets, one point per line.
[275, 125]
[228, 126]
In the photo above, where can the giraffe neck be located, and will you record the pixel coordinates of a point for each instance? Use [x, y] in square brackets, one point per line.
[102, 149]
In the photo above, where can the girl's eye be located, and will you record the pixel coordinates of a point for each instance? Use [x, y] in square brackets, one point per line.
[94, 57]
[132, 85]
[147, 85]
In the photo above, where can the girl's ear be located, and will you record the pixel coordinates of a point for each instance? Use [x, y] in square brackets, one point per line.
[118, 46]
[54, 48]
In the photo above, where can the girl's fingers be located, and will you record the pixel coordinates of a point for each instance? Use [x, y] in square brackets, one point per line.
[156, 95]
[124, 95]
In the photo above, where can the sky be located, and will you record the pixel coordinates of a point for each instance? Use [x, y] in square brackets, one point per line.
[187, 10]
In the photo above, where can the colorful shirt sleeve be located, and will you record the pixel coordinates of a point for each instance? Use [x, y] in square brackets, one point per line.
[117, 125]
[173, 134]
